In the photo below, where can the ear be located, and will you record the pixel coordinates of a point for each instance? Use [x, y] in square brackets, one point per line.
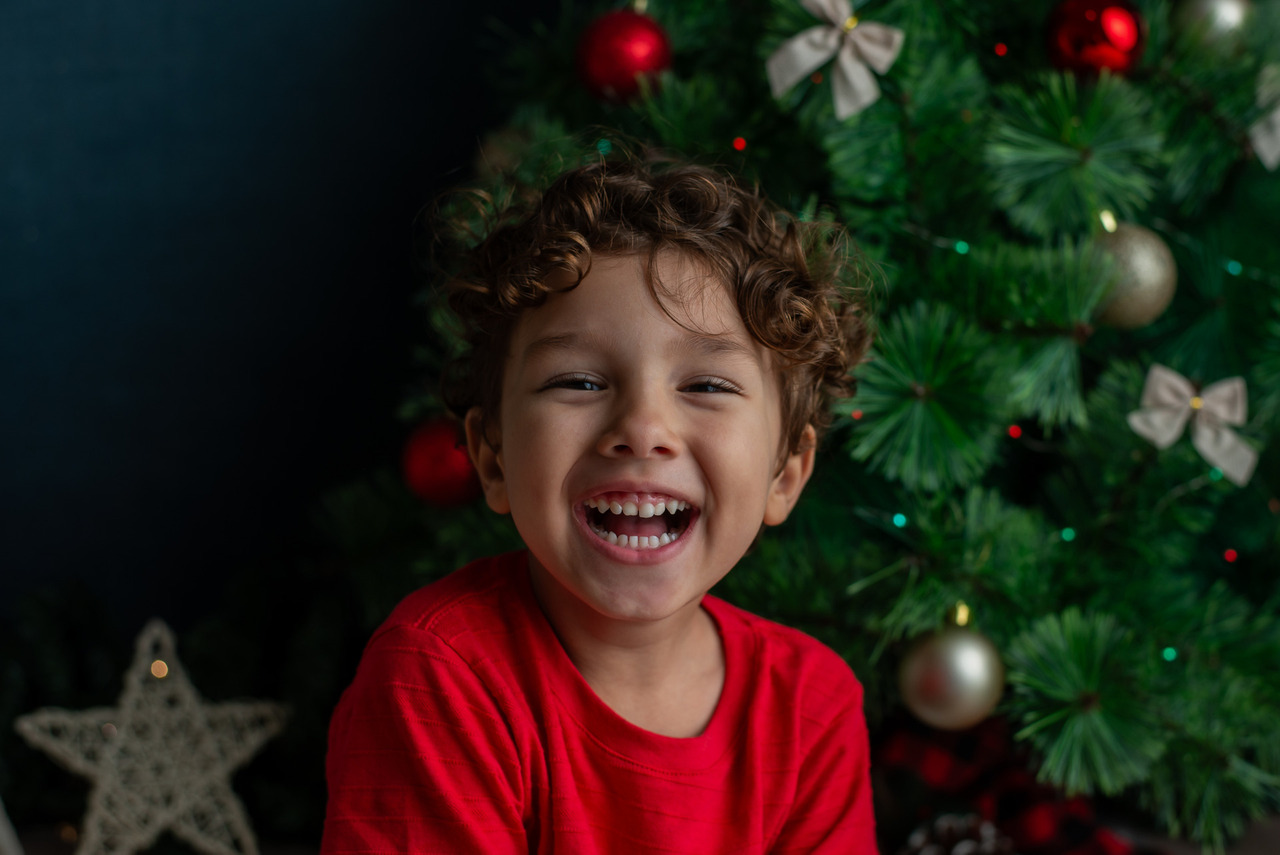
[787, 485]
[488, 462]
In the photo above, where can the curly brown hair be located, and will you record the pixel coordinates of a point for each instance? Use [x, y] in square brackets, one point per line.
[796, 284]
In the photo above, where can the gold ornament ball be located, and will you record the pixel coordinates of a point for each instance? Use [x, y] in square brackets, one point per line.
[1146, 276]
[952, 679]
[1215, 23]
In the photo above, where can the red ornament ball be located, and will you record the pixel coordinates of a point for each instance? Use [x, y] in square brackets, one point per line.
[1090, 35]
[436, 465]
[616, 49]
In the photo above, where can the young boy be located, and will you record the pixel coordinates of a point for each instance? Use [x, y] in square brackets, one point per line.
[652, 355]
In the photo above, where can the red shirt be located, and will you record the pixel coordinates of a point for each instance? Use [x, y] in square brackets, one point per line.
[467, 729]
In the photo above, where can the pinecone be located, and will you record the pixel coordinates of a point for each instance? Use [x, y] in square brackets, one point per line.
[951, 834]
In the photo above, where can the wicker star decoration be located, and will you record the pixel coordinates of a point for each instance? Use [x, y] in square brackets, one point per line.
[161, 759]
[9, 844]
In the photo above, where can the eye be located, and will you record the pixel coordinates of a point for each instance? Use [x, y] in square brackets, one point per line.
[704, 385]
[574, 382]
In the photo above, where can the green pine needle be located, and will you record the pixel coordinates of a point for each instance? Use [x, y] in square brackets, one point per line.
[932, 400]
[1210, 785]
[1064, 151]
[1079, 693]
[1048, 384]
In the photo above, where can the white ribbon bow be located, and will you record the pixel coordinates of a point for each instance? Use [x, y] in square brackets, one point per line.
[1169, 401]
[854, 45]
[1264, 134]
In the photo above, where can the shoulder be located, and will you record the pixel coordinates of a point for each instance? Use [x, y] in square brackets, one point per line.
[464, 627]
[463, 605]
[450, 642]
[790, 662]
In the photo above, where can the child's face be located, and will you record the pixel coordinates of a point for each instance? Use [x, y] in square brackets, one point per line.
[607, 402]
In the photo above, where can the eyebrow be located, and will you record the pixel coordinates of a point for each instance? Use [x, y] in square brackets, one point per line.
[691, 342]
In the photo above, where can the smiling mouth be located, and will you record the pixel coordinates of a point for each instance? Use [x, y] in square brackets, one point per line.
[638, 522]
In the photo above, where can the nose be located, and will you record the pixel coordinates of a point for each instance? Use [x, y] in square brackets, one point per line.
[642, 424]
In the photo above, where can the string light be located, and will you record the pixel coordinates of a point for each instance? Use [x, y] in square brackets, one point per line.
[604, 146]
[1068, 534]
[159, 669]
[1109, 222]
[962, 613]
[1232, 266]
[1230, 556]
[816, 77]
[739, 143]
[1001, 48]
[1015, 431]
[1169, 654]
[857, 414]
[900, 520]
[1215, 474]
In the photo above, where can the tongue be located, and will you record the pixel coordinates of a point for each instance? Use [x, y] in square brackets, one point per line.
[639, 526]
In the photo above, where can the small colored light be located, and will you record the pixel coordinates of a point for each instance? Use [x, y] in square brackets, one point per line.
[1001, 48]
[1169, 654]
[1215, 474]
[962, 613]
[1273, 505]
[1068, 534]
[1230, 556]
[109, 730]
[1108, 220]
[739, 143]
[1234, 267]
[1015, 431]
[159, 669]
[900, 520]
[962, 247]
[857, 414]
[604, 146]
[816, 77]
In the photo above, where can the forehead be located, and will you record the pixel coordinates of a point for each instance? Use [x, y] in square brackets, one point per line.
[672, 295]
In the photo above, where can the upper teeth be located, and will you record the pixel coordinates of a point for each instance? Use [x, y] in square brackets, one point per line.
[641, 509]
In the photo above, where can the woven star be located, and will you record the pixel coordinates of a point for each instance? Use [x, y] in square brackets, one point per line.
[9, 844]
[161, 759]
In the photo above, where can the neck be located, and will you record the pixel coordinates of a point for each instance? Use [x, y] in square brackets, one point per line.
[664, 676]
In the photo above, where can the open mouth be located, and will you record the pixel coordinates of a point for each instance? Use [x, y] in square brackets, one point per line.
[638, 522]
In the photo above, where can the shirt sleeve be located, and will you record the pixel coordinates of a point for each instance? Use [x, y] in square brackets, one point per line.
[421, 758]
[832, 812]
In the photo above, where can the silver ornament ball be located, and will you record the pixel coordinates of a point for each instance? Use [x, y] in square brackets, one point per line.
[1215, 23]
[952, 679]
[1146, 276]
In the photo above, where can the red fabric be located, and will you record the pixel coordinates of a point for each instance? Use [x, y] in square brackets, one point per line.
[467, 729]
[982, 770]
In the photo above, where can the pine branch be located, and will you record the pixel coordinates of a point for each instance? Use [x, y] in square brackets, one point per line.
[932, 401]
[1083, 699]
[1065, 151]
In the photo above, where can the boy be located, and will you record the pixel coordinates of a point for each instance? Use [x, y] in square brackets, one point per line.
[652, 355]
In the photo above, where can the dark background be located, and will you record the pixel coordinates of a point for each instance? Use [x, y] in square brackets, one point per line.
[206, 265]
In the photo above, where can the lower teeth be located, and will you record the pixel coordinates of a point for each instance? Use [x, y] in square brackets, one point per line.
[636, 541]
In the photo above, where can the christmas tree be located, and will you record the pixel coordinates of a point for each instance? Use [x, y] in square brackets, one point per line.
[1061, 462]
[1055, 498]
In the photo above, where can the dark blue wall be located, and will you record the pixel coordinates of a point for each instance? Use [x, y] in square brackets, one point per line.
[206, 234]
